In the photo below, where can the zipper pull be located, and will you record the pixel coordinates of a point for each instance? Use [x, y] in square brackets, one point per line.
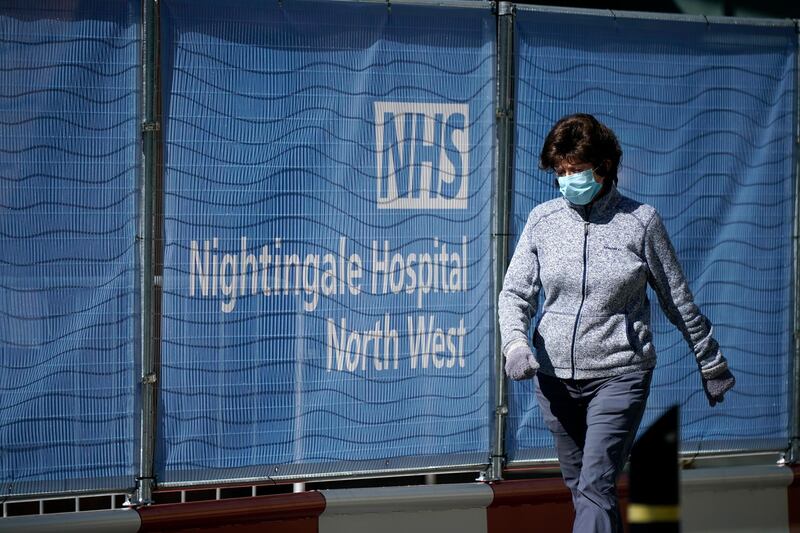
[586, 228]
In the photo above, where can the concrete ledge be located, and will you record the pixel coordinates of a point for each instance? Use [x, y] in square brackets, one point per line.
[737, 477]
[110, 521]
[399, 499]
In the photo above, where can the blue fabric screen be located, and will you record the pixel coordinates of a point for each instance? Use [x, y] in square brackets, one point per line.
[327, 287]
[705, 114]
[68, 188]
[328, 170]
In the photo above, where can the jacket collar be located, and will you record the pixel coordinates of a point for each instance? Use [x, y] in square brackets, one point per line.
[598, 210]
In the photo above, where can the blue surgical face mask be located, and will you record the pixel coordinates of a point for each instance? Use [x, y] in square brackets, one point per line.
[579, 188]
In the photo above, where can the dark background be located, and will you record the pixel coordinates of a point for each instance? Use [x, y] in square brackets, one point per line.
[729, 8]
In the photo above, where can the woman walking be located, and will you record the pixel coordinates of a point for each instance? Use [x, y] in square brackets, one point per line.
[592, 254]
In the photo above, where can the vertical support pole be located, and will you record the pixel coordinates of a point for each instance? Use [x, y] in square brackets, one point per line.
[150, 129]
[505, 135]
[793, 454]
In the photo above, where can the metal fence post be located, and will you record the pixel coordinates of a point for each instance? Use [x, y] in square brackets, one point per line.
[150, 129]
[505, 136]
[793, 453]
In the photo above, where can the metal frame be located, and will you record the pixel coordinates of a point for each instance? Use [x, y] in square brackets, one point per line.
[143, 494]
[369, 471]
[500, 215]
[332, 476]
[793, 453]
[77, 501]
[668, 17]
[505, 57]
[472, 4]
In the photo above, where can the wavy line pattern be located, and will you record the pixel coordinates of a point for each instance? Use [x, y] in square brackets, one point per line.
[68, 172]
[271, 134]
[706, 126]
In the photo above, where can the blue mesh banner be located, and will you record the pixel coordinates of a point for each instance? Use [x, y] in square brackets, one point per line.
[327, 286]
[705, 115]
[68, 171]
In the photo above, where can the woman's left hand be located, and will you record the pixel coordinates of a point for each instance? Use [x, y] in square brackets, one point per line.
[715, 388]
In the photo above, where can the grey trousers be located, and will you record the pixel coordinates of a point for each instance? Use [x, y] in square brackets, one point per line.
[594, 422]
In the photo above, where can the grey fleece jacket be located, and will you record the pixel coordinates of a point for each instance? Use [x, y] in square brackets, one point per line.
[594, 264]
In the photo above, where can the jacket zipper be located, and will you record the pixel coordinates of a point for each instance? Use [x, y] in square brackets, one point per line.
[583, 295]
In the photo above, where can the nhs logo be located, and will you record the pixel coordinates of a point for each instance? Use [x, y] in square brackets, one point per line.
[422, 155]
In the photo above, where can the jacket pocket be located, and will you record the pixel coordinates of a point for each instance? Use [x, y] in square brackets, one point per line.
[604, 342]
[630, 331]
[553, 339]
[639, 335]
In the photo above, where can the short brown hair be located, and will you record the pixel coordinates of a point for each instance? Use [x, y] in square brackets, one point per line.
[581, 137]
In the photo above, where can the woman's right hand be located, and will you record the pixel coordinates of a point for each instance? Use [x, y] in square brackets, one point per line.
[520, 363]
